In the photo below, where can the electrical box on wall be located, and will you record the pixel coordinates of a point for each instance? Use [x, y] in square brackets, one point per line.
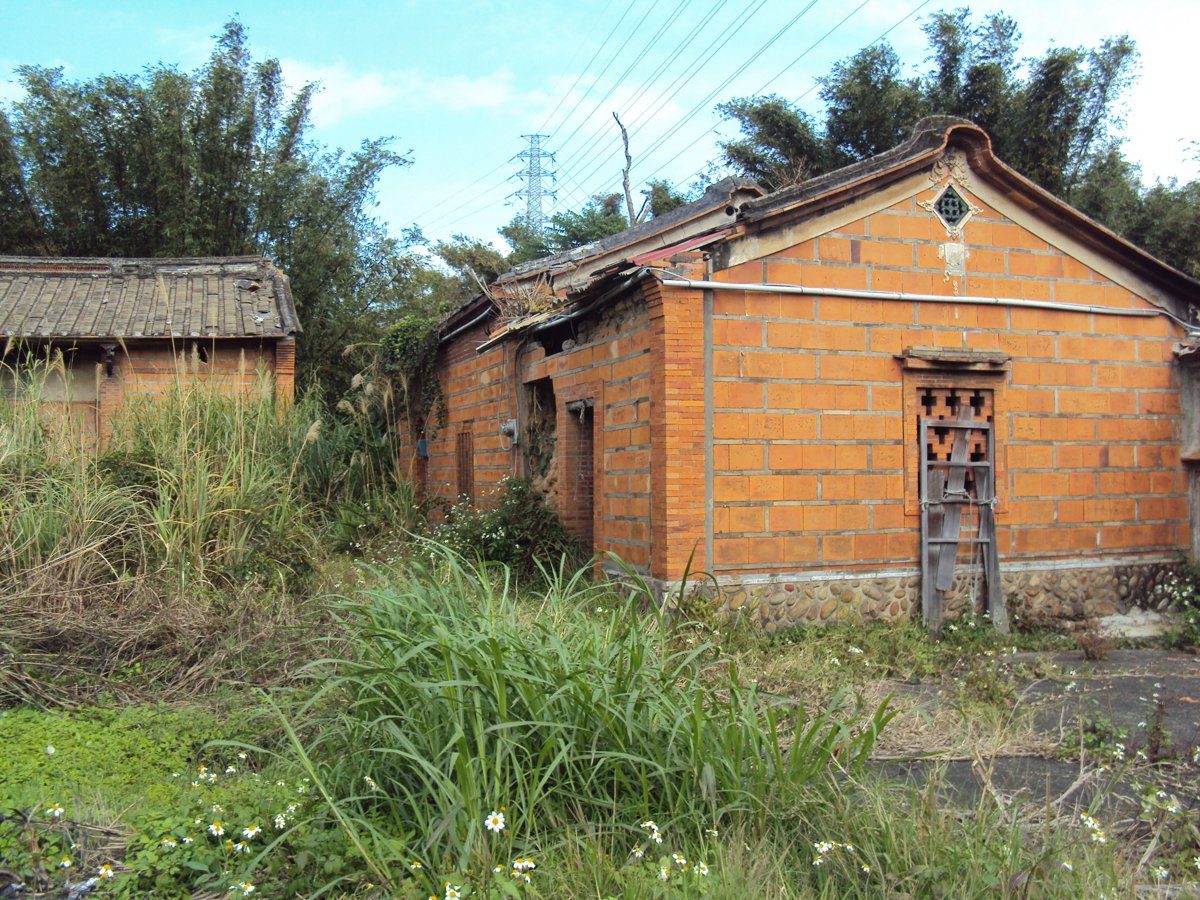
[508, 428]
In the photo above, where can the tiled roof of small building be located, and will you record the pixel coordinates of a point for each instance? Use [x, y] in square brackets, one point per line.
[240, 296]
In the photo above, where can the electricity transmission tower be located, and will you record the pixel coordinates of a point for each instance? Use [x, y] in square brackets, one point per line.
[533, 174]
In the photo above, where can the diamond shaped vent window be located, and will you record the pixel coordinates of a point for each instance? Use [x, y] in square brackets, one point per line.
[951, 208]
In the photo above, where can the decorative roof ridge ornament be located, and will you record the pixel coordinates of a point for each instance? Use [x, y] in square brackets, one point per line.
[952, 205]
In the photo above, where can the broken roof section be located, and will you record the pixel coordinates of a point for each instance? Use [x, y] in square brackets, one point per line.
[717, 208]
[221, 297]
[566, 273]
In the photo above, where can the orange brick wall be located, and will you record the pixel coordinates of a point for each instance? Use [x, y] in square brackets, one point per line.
[608, 369]
[610, 366]
[812, 466]
[477, 391]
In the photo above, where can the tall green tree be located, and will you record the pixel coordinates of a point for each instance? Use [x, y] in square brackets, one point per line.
[211, 163]
[1052, 119]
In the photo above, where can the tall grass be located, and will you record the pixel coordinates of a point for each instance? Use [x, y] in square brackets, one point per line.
[219, 477]
[180, 548]
[581, 710]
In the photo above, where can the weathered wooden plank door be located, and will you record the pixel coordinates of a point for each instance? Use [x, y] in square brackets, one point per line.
[957, 477]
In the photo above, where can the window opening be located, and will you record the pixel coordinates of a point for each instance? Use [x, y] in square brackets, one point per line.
[951, 208]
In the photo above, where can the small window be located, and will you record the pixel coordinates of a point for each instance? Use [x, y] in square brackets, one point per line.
[951, 208]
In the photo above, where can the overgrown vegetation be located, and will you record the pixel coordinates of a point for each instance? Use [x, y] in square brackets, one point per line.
[517, 530]
[467, 734]
[185, 550]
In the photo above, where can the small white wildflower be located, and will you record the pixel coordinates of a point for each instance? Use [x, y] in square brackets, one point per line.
[55, 811]
[230, 770]
[637, 852]
[105, 872]
[186, 840]
[663, 874]
[712, 832]
[856, 651]
[169, 843]
[702, 868]
[241, 847]
[371, 782]
[216, 829]
[679, 859]
[65, 862]
[1066, 864]
[251, 832]
[415, 865]
[280, 822]
[494, 822]
[1161, 873]
[50, 751]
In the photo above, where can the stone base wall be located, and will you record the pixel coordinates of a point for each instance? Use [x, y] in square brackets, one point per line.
[1031, 594]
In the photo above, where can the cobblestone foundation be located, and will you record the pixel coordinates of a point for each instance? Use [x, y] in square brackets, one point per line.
[1039, 594]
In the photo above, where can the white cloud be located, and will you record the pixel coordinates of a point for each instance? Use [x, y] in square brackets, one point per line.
[346, 94]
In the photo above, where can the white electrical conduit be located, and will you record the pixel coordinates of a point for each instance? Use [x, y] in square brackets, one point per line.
[921, 298]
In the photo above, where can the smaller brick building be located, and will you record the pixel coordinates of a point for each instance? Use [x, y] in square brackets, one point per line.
[858, 397]
[130, 328]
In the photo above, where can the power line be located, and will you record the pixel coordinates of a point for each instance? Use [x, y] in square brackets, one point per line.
[690, 71]
[600, 75]
[703, 104]
[585, 153]
[713, 48]
[912, 12]
[583, 71]
[448, 214]
[646, 48]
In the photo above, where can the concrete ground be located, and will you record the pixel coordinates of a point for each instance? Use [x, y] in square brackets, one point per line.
[1098, 704]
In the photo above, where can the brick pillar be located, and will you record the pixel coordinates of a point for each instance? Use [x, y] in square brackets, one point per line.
[677, 434]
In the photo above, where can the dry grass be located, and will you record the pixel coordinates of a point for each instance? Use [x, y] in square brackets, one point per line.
[518, 299]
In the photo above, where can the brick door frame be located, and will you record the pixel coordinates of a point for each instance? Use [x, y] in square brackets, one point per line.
[577, 392]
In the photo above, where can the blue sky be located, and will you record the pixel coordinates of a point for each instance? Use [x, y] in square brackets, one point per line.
[458, 82]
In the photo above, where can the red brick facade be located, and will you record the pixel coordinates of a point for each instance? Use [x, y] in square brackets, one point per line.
[770, 436]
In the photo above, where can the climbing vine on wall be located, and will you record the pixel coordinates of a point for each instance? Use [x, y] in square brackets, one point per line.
[410, 358]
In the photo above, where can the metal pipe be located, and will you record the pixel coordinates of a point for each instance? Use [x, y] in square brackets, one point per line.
[922, 298]
[461, 328]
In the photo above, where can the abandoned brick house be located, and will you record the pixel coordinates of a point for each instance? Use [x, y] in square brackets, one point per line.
[130, 328]
[920, 363]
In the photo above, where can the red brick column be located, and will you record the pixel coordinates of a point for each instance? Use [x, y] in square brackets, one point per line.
[677, 433]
